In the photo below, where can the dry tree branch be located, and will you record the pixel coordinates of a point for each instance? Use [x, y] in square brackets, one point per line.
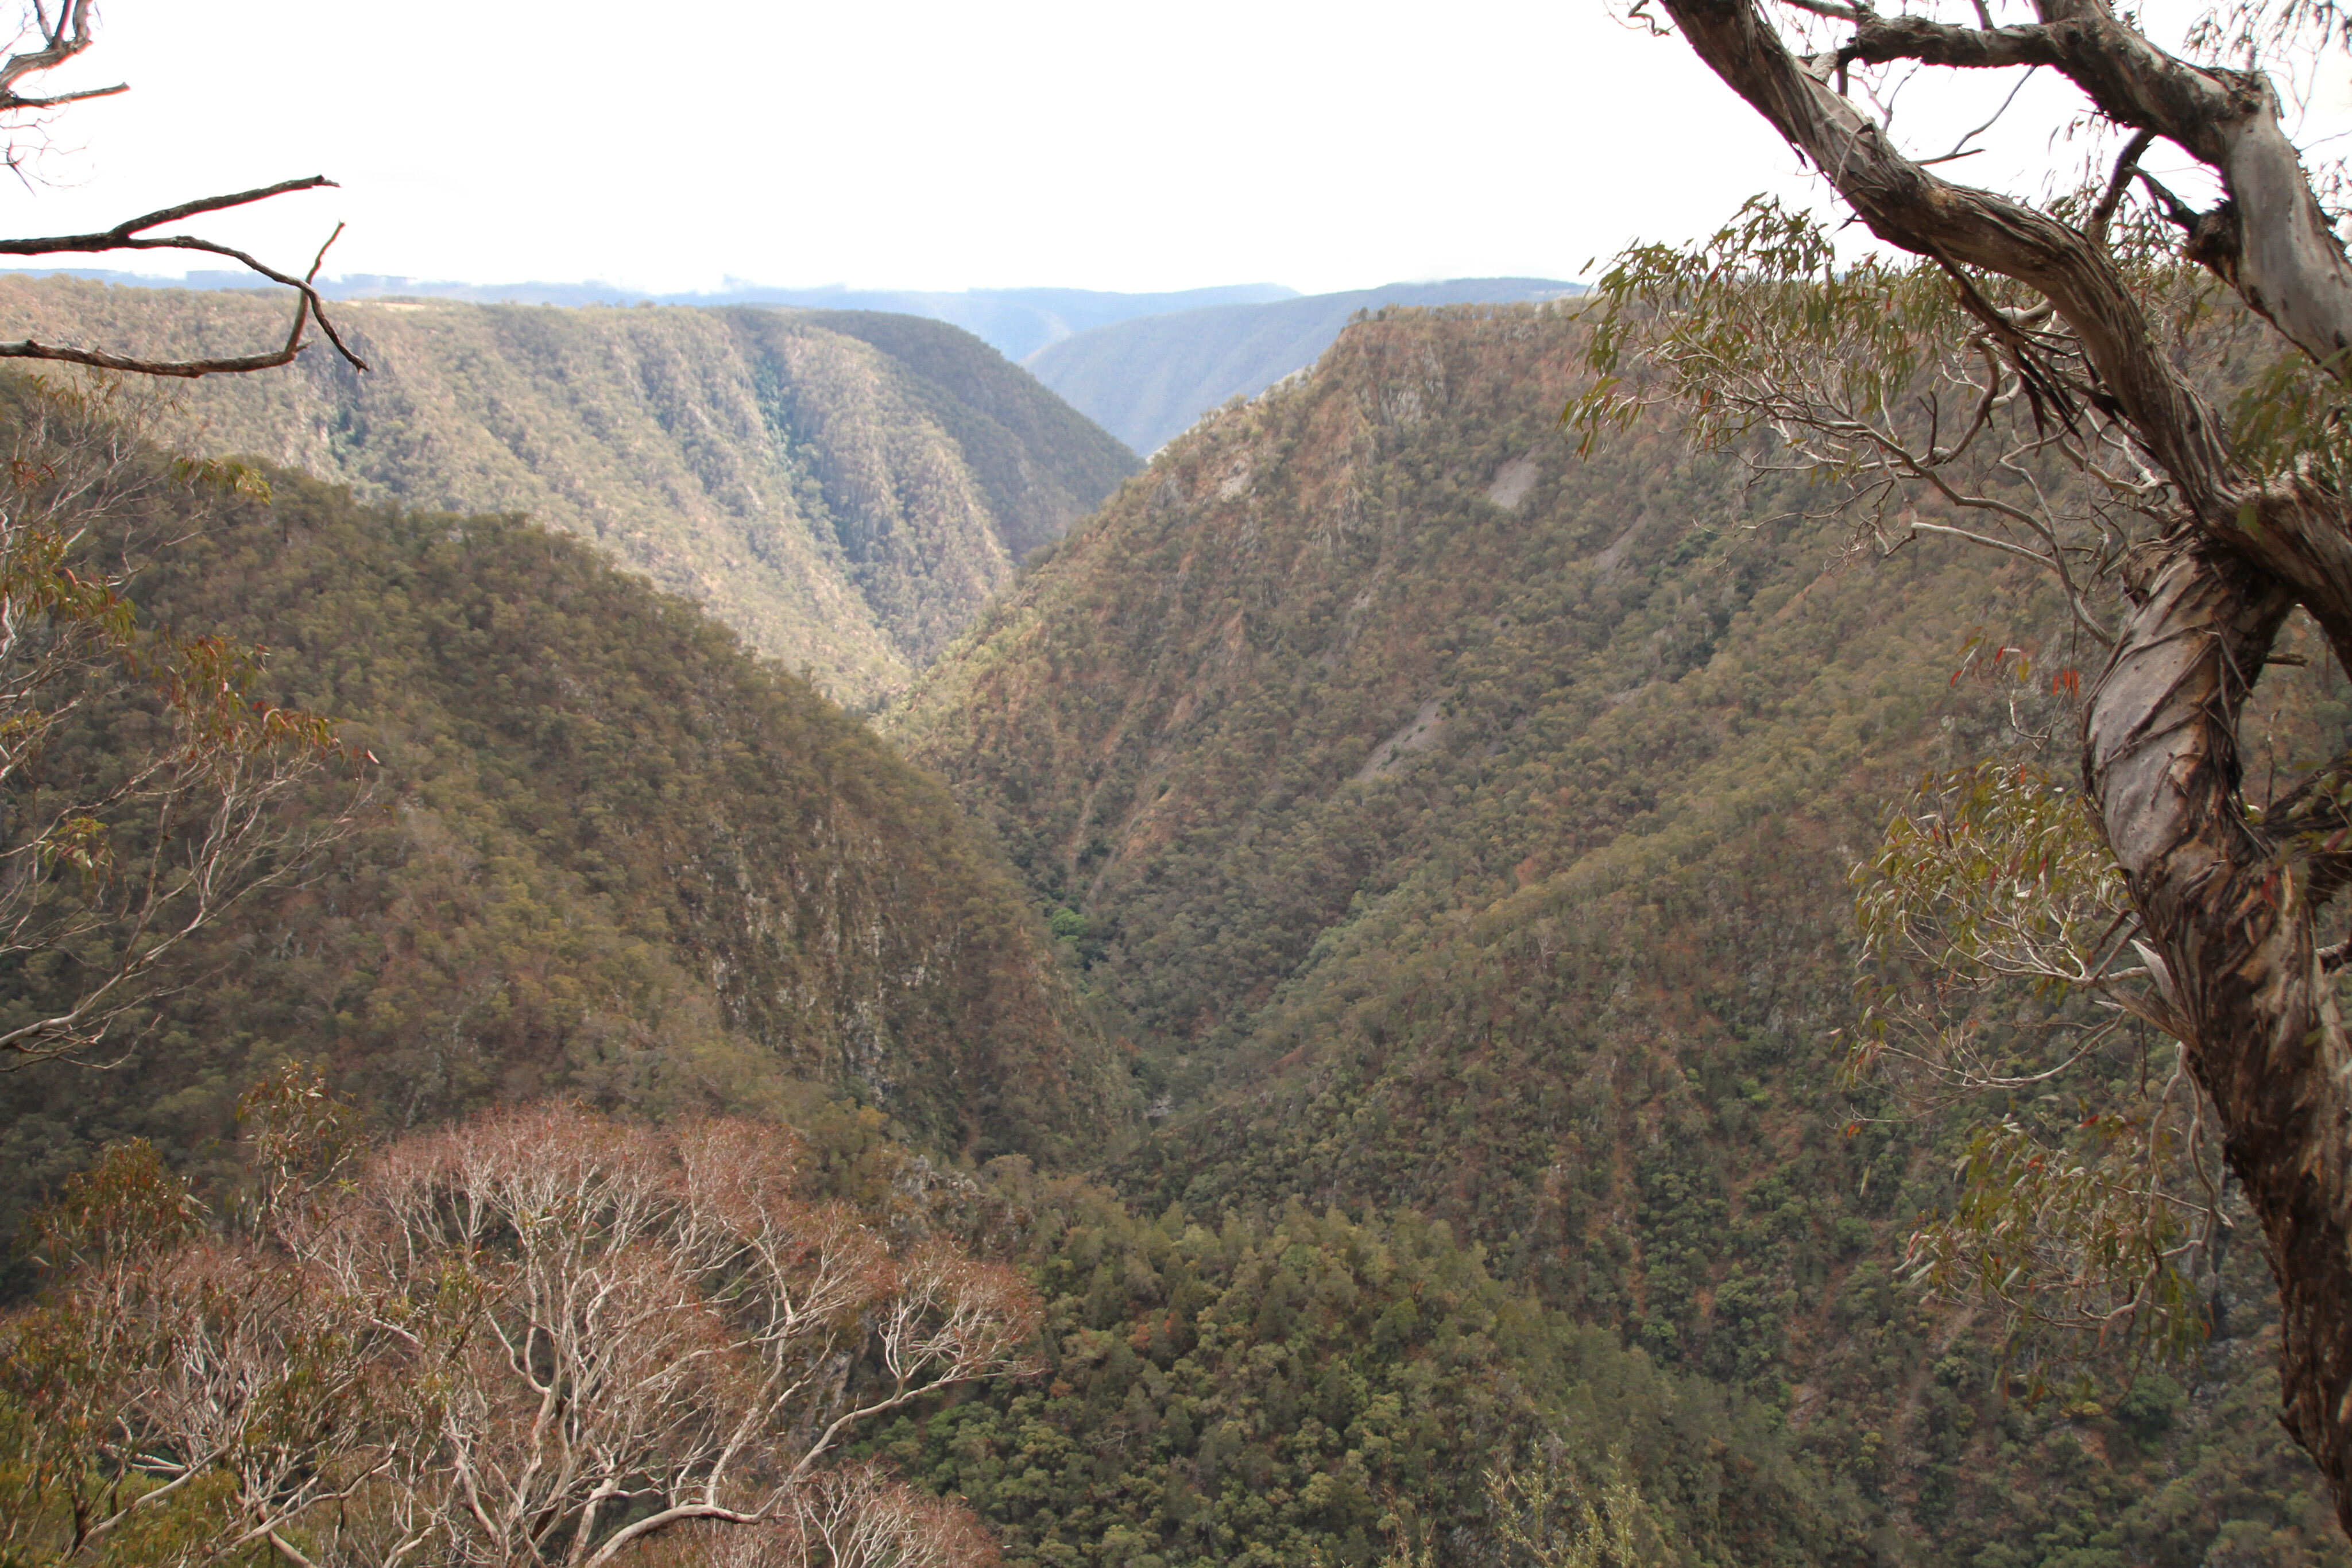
[60, 41]
[62, 37]
[128, 235]
[2227, 905]
[2127, 165]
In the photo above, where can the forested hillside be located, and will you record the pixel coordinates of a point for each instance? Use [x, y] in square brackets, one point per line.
[1147, 378]
[608, 854]
[1286, 1387]
[1457, 823]
[844, 493]
[1437, 945]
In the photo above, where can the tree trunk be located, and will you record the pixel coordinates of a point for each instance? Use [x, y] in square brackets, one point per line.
[2232, 918]
[2228, 904]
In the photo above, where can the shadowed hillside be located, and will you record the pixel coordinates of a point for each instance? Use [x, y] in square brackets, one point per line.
[610, 855]
[1459, 824]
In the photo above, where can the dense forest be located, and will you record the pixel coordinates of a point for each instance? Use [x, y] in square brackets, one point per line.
[1373, 955]
[605, 852]
[1449, 819]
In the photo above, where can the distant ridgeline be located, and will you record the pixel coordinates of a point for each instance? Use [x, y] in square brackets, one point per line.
[1015, 322]
[843, 489]
[1148, 378]
[1458, 824]
[1446, 846]
[610, 855]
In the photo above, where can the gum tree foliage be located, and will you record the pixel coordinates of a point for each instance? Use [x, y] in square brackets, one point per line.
[2141, 397]
[108, 869]
[1548, 1515]
[104, 877]
[539, 1336]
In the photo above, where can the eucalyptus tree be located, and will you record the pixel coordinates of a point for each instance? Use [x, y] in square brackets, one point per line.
[2143, 396]
[540, 1337]
[115, 865]
[108, 874]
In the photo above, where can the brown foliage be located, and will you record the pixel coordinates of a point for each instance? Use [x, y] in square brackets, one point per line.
[538, 1334]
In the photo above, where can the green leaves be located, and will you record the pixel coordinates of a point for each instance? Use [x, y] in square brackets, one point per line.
[2001, 980]
[2064, 1217]
[1761, 304]
[1991, 873]
[1556, 1513]
[1402, 1403]
[2288, 421]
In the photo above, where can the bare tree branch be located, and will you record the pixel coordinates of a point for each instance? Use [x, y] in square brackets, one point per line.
[127, 236]
[60, 99]
[62, 39]
[113, 238]
[2127, 165]
[60, 42]
[2285, 262]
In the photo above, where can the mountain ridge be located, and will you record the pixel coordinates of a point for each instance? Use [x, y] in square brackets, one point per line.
[830, 500]
[1016, 322]
[1447, 820]
[611, 857]
[1147, 379]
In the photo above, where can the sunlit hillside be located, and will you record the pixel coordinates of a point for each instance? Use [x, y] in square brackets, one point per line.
[846, 504]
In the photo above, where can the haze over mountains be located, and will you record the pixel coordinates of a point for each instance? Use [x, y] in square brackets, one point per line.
[1015, 322]
[1142, 366]
[1148, 378]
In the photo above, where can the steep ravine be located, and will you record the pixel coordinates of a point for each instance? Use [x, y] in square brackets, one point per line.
[1454, 822]
[844, 490]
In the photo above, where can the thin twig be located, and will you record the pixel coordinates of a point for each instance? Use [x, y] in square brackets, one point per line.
[2127, 165]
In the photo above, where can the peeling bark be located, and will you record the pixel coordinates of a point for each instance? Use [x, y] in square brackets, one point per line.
[2227, 903]
[2230, 911]
[2288, 267]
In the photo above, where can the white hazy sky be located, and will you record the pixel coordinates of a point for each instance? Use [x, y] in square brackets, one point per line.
[915, 144]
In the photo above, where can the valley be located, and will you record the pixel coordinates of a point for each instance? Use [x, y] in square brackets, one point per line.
[1356, 909]
[845, 505]
[1148, 378]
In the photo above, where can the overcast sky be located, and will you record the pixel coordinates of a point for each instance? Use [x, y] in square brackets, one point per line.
[934, 146]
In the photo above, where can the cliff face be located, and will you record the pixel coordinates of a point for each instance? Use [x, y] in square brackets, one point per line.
[846, 495]
[1457, 823]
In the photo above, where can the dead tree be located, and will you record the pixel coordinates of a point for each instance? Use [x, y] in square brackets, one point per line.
[541, 1336]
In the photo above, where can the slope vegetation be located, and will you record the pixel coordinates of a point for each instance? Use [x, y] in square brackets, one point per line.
[611, 855]
[1293, 1388]
[1458, 824]
[1147, 378]
[845, 495]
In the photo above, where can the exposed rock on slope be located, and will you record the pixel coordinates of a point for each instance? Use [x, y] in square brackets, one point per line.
[845, 505]
[1463, 825]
